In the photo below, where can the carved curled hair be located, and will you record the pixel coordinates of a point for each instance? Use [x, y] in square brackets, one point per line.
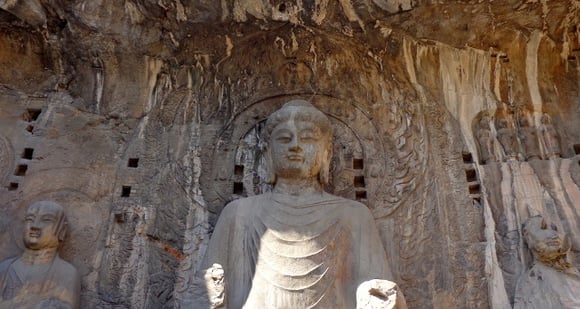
[299, 110]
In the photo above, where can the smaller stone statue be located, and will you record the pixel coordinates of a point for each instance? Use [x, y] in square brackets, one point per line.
[552, 281]
[379, 294]
[550, 137]
[507, 137]
[39, 278]
[529, 137]
[215, 285]
[486, 140]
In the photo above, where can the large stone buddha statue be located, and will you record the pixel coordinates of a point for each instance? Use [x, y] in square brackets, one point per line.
[39, 278]
[297, 246]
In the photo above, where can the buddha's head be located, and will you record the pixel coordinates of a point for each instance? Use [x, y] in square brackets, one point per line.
[298, 143]
[45, 225]
[547, 244]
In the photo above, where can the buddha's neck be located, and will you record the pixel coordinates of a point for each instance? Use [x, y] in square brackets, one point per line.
[41, 256]
[302, 187]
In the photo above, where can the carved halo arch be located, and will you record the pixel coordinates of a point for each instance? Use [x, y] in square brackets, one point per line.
[372, 174]
[6, 159]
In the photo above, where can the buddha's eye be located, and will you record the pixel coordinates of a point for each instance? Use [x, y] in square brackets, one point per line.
[29, 219]
[554, 227]
[309, 135]
[283, 139]
[47, 219]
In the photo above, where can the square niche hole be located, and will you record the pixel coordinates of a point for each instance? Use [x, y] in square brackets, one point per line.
[359, 181]
[13, 186]
[474, 189]
[238, 188]
[126, 191]
[471, 175]
[133, 162]
[27, 153]
[467, 157]
[239, 170]
[577, 149]
[31, 114]
[360, 195]
[21, 170]
[358, 164]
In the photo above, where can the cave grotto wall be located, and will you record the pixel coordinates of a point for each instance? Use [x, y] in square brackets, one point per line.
[143, 118]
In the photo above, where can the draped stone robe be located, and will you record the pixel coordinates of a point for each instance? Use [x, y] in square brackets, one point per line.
[279, 251]
[55, 285]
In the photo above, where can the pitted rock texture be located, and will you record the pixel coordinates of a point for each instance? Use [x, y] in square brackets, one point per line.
[142, 118]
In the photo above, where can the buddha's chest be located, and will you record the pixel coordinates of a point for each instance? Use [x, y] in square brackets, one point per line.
[300, 263]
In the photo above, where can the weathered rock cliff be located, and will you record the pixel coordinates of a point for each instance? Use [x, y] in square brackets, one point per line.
[143, 118]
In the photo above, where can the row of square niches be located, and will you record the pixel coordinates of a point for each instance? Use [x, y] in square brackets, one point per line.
[358, 181]
[472, 179]
[21, 168]
[126, 190]
[30, 116]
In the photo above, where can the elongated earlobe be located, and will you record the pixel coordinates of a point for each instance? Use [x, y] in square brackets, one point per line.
[62, 228]
[270, 175]
[324, 176]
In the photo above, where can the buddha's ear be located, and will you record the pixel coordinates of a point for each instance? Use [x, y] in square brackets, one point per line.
[61, 228]
[324, 175]
[270, 175]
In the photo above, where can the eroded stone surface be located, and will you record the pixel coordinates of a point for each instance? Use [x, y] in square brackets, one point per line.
[184, 88]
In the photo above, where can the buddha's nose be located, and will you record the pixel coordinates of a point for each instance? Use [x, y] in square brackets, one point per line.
[294, 144]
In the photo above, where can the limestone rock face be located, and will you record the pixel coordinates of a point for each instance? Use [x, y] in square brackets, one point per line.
[454, 122]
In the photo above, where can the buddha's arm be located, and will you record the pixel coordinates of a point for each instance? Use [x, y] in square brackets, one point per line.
[219, 252]
[220, 241]
[374, 265]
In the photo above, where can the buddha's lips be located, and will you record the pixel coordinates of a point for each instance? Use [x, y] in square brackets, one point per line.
[295, 157]
[34, 234]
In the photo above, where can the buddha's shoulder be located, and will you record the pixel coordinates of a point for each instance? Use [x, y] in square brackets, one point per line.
[346, 203]
[64, 266]
[244, 204]
[352, 211]
[5, 264]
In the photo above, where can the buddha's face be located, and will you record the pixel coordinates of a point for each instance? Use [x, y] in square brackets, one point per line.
[41, 226]
[543, 238]
[299, 149]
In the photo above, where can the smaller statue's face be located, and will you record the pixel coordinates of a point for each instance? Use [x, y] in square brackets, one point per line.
[543, 238]
[40, 227]
[298, 149]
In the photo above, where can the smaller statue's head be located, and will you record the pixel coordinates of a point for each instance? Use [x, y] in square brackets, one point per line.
[543, 239]
[546, 119]
[525, 119]
[45, 225]
[298, 142]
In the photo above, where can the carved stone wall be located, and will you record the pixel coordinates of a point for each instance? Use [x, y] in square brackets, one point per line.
[143, 119]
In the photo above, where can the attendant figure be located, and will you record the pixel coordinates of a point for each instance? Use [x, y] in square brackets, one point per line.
[486, 140]
[506, 134]
[39, 278]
